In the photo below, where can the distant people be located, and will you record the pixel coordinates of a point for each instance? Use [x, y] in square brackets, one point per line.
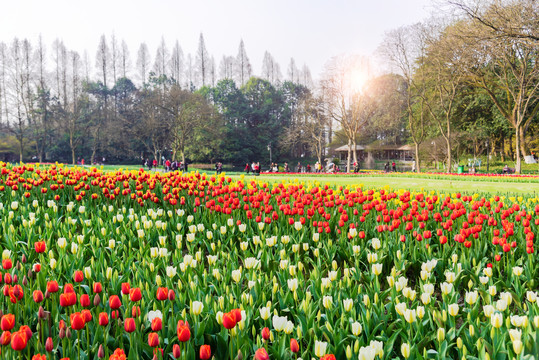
[82, 161]
[167, 165]
[275, 167]
[356, 167]
[393, 167]
[506, 169]
[218, 167]
[103, 161]
[247, 168]
[386, 167]
[154, 163]
[257, 168]
[78, 161]
[174, 166]
[298, 167]
[413, 166]
[286, 167]
[308, 168]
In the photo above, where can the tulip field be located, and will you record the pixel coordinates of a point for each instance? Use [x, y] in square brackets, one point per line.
[143, 265]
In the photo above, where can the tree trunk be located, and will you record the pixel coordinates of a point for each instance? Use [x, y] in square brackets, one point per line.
[73, 155]
[417, 165]
[349, 154]
[355, 153]
[523, 147]
[517, 149]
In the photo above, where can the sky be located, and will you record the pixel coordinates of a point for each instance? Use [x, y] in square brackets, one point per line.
[310, 31]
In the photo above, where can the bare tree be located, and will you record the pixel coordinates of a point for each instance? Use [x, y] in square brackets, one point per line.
[243, 66]
[3, 87]
[177, 63]
[143, 62]
[202, 62]
[507, 69]
[507, 19]
[161, 60]
[213, 72]
[226, 67]
[125, 60]
[403, 47]
[293, 72]
[440, 70]
[306, 78]
[18, 82]
[350, 108]
[270, 69]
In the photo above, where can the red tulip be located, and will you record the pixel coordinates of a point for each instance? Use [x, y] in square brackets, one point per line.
[38, 296]
[118, 355]
[205, 352]
[40, 247]
[68, 288]
[97, 288]
[162, 293]
[39, 357]
[84, 300]
[7, 264]
[266, 333]
[176, 351]
[79, 276]
[229, 320]
[68, 299]
[129, 325]
[87, 315]
[125, 288]
[7, 322]
[135, 311]
[77, 321]
[184, 334]
[5, 338]
[328, 357]
[153, 339]
[135, 294]
[114, 302]
[294, 346]
[103, 319]
[157, 324]
[19, 340]
[52, 286]
[261, 354]
[49, 345]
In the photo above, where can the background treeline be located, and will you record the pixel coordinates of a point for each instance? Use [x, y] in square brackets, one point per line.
[462, 84]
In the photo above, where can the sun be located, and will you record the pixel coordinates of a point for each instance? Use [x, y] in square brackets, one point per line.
[358, 78]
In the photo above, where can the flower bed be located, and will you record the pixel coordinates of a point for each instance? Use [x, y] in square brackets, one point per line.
[193, 266]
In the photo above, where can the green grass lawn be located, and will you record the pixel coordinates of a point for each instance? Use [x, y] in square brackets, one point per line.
[413, 183]
[404, 181]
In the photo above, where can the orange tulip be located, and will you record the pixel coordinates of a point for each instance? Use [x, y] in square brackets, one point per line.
[261, 354]
[205, 352]
[153, 339]
[7, 322]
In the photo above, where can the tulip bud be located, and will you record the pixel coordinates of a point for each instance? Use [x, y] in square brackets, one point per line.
[348, 352]
[49, 345]
[97, 300]
[41, 313]
[68, 333]
[459, 342]
[62, 333]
